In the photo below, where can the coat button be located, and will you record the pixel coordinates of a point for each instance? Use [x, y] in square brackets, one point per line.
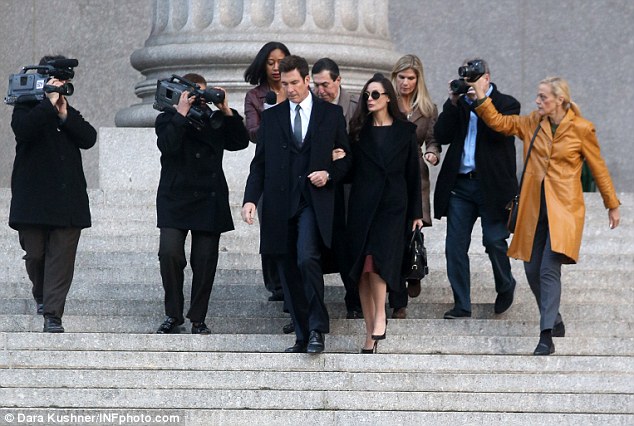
[196, 194]
[213, 194]
[213, 175]
[198, 155]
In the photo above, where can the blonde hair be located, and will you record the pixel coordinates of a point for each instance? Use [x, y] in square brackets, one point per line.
[560, 87]
[421, 100]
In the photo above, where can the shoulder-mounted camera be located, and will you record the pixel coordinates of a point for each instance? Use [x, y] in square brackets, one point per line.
[168, 93]
[31, 86]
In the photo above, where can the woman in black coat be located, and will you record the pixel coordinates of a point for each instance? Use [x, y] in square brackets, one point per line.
[385, 200]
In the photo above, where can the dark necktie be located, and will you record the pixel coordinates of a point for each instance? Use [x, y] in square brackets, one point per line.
[297, 125]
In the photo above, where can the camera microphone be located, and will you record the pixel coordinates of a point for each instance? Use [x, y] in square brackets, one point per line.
[270, 99]
[64, 63]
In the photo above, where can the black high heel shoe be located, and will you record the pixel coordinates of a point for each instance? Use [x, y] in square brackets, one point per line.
[370, 351]
[381, 336]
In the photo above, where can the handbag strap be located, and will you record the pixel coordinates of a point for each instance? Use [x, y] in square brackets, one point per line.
[530, 148]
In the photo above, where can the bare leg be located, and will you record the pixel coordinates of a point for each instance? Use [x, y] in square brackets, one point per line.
[367, 305]
[378, 289]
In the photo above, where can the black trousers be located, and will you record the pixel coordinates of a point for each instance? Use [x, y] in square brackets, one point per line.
[270, 275]
[203, 260]
[302, 276]
[50, 264]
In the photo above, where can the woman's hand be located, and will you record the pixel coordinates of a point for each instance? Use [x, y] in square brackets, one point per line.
[615, 217]
[338, 154]
[431, 158]
[417, 223]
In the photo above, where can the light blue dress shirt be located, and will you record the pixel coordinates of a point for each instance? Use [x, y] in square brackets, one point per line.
[467, 162]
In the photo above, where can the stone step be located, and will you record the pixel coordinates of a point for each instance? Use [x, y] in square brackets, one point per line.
[373, 381]
[521, 310]
[321, 399]
[291, 417]
[231, 352]
[112, 287]
[147, 324]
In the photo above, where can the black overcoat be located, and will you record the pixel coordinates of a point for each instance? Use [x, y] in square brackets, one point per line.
[48, 186]
[270, 170]
[385, 198]
[193, 192]
[494, 155]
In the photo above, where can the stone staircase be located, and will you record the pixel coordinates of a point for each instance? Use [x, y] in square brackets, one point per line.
[110, 365]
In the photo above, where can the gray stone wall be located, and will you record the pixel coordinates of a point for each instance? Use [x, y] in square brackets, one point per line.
[588, 43]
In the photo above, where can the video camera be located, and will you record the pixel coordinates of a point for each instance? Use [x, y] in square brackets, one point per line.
[32, 87]
[468, 73]
[168, 93]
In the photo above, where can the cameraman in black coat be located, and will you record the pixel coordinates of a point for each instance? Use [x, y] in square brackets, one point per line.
[193, 196]
[49, 202]
[477, 179]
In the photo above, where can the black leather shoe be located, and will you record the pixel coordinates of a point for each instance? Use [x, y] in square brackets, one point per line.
[170, 325]
[276, 297]
[354, 314]
[40, 308]
[454, 313]
[297, 348]
[400, 313]
[544, 349]
[504, 300]
[559, 330]
[413, 288]
[200, 328]
[545, 345]
[288, 328]
[53, 325]
[316, 343]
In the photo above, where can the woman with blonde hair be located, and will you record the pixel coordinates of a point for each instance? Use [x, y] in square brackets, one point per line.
[408, 78]
[551, 209]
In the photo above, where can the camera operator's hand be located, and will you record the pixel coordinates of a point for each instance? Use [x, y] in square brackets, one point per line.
[480, 86]
[185, 103]
[224, 106]
[453, 97]
[58, 100]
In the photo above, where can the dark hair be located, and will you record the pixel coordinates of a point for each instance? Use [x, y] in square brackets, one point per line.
[294, 62]
[195, 78]
[328, 65]
[362, 115]
[46, 59]
[256, 72]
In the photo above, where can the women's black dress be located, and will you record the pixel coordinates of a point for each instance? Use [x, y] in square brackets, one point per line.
[385, 198]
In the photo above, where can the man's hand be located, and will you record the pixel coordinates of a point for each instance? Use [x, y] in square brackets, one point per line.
[248, 213]
[224, 106]
[319, 178]
[185, 103]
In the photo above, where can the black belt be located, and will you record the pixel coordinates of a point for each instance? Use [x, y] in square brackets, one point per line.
[470, 175]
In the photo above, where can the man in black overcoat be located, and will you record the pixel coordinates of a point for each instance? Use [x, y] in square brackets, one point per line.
[477, 179]
[49, 202]
[193, 196]
[293, 167]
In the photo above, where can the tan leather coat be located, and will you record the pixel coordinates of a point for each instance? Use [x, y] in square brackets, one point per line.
[556, 161]
[425, 136]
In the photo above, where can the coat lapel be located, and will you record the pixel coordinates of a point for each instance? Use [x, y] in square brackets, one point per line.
[316, 115]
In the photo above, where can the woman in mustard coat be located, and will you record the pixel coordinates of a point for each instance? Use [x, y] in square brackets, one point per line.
[551, 210]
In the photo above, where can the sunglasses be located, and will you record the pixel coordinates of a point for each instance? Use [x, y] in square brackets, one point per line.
[374, 95]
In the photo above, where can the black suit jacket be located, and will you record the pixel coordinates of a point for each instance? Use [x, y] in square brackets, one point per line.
[494, 155]
[270, 172]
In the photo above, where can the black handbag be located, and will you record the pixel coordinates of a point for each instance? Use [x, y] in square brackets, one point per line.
[514, 204]
[415, 264]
